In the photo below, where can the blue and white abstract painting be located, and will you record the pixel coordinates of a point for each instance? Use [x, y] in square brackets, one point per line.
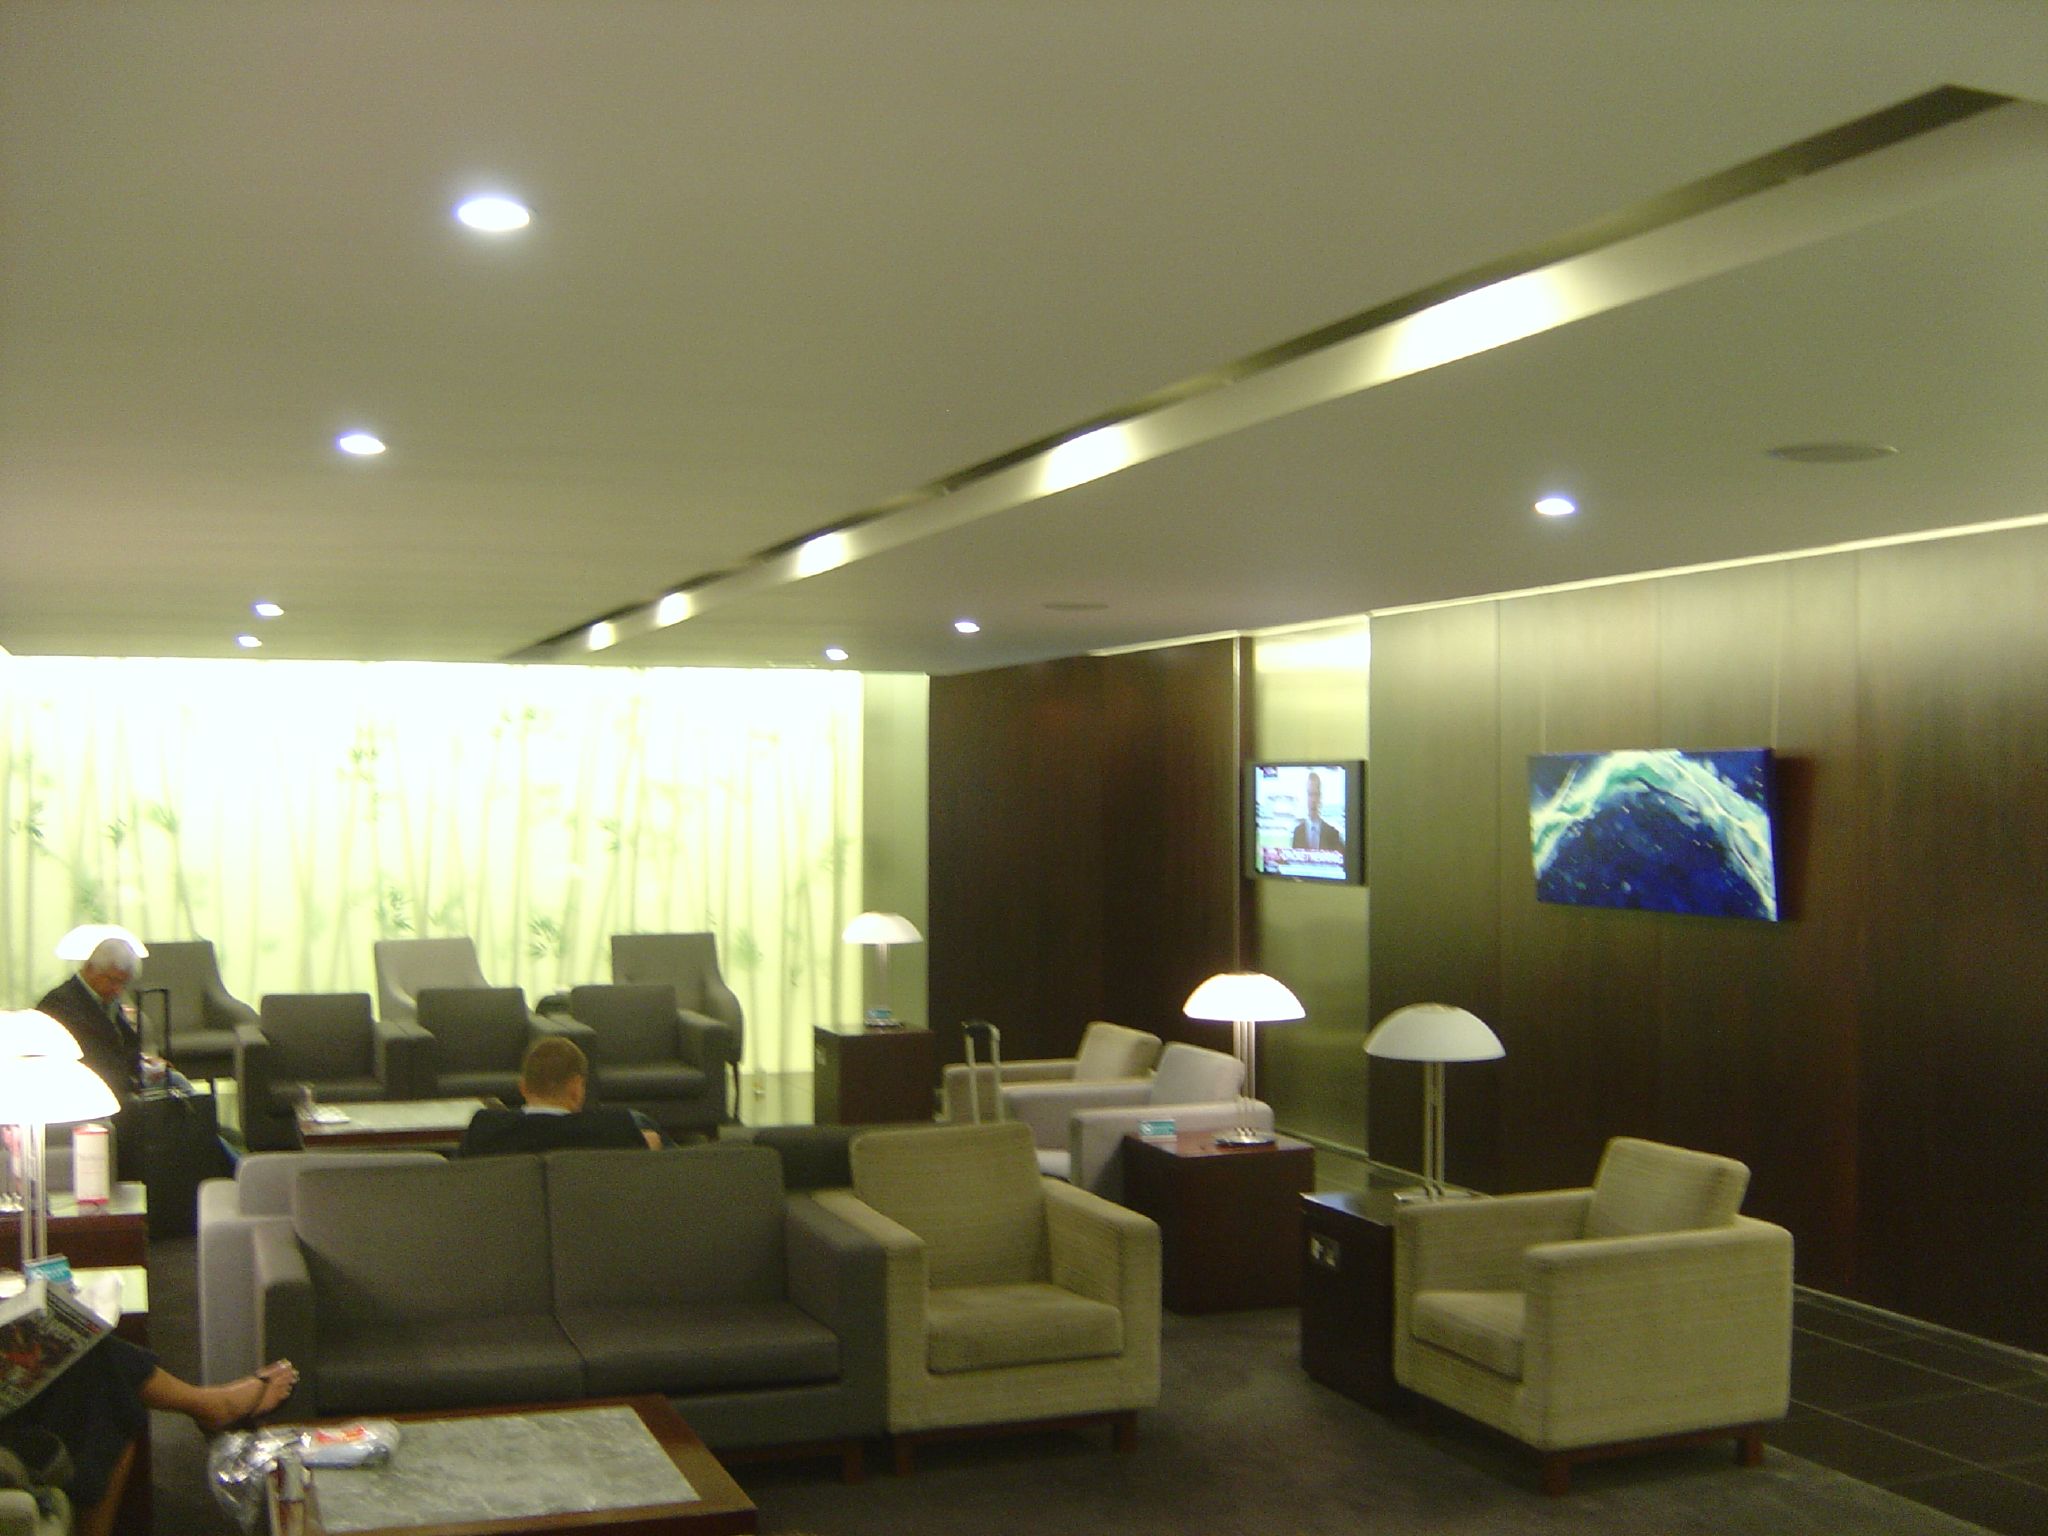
[1659, 831]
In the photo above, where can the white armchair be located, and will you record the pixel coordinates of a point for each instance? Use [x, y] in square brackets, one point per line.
[1078, 1127]
[1108, 1053]
[1591, 1322]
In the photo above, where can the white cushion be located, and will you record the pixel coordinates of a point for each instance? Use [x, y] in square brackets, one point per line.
[1111, 1051]
[1056, 1165]
[1190, 1075]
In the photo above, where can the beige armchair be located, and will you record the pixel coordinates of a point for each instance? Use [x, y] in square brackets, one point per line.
[1011, 1299]
[1593, 1322]
[1079, 1128]
[1108, 1053]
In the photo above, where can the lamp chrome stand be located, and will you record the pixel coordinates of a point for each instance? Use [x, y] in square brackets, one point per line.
[1244, 1043]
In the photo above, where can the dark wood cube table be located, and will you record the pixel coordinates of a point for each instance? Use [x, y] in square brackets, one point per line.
[110, 1236]
[865, 1076]
[1347, 1295]
[1229, 1217]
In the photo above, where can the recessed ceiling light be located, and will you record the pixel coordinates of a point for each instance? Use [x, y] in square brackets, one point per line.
[266, 610]
[1557, 506]
[834, 653]
[967, 626]
[1830, 453]
[248, 642]
[494, 215]
[362, 444]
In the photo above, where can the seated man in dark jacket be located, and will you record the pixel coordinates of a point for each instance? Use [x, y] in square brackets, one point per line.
[553, 1079]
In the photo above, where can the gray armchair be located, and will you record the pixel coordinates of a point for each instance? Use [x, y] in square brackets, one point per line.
[1591, 1322]
[406, 967]
[689, 963]
[329, 1041]
[646, 1054]
[477, 1038]
[200, 1020]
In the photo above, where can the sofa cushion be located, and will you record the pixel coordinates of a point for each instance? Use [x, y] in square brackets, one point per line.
[700, 1224]
[986, 1327]
[702, 1346]
[1645, 1186]
[455, 1363]
[459, 1241]
[1190, 1075]
[1111, 1051]
[1484, 1327]
[475, 1029]
[972, 1192]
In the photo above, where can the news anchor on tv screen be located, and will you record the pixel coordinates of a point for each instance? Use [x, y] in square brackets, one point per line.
[1304, 819]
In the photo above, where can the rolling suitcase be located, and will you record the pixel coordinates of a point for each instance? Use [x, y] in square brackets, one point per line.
[176, 1145]
[981, 1029]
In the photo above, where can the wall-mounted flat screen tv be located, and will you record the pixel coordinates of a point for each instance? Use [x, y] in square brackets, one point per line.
[1659, 831]
[1306, 821]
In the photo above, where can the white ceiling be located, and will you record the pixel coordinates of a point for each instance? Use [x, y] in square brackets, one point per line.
[791, 261]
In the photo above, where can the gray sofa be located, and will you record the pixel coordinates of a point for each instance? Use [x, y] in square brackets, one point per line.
[686, 1272]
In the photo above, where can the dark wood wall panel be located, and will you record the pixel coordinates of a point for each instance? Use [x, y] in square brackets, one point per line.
[1435, 866]
[1954, 704]
[1083, 843]
[1877, 1059]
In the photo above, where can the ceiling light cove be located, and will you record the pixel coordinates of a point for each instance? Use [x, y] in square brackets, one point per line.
[363, 445]
[602, 636]
[266, 610]
[967, 626]
[827, 552]
[1557, 506]
[493, 214]
[834, 653]
[1483, 319]
[248, 642]
[1087, 457]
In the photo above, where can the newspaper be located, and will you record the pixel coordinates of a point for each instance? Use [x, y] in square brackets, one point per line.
[42, 1331]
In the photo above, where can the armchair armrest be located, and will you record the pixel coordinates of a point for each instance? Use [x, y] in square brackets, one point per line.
[218, 1009]
[541, 1025]
[722, 1004]
[252, 1066]
[906, 1277]
[1608, 1320]
[960, 1107]
[837, 1275]
[285, 1322]
[402, 1056]
[1101, 1250]
[709, 1045]
[1478, 1245]
[1048, 1107]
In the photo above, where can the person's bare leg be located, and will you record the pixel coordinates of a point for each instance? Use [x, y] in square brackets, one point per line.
[98, 1520]
[215, 1408]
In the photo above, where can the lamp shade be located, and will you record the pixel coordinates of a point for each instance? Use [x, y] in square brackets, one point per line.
[881, 928]
[48, 1090]
[1249, 995]
[30, 1032]
[1433, 1032]
[81, 941]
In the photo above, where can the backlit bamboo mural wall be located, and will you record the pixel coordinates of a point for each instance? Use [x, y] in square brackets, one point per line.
[292, 812]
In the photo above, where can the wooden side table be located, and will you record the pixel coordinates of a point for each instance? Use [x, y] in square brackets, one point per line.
[867, 1076]
[1229, 1217]
[110, 1236]
[1347, 1295]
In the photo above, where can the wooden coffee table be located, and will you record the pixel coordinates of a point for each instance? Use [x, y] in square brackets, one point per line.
[501, 1451]
[397, 1123]
[1229, 1217]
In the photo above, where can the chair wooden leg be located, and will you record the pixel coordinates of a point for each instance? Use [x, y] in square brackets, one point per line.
[853, 1463]
[904, 1453]
[1124, 1427]
[1557, 1476]
[1749, 1447]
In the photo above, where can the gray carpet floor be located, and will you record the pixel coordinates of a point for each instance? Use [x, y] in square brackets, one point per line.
[1242, 1442]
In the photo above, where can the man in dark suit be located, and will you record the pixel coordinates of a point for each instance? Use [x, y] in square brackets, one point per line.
[1312, 831]
[89, 1005]
[553, 1079]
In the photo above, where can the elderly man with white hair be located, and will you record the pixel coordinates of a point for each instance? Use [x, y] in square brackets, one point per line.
[89, 1005]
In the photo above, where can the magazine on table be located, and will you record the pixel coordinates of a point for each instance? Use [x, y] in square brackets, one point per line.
[42, 1331]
